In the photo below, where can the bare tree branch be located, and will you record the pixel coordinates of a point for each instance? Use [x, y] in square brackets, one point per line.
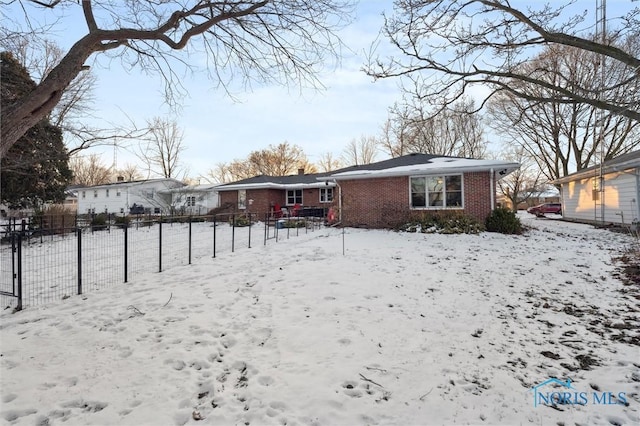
[447, 47]
[278, 40]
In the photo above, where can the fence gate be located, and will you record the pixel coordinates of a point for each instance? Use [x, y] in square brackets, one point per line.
[11, 269]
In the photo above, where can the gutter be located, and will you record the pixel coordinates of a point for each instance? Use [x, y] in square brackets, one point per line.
[372, 174]
[271, 185]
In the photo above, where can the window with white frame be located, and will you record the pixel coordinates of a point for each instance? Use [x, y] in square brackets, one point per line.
[84, 194]
[294, 196]
[242, 199]
[191, 201]
[326, 195]
[107, 193]
[434, 192]
[118, 192]
[95, 193]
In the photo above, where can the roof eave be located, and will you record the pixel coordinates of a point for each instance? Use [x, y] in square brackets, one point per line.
[595, 171]
[272, 185]
[507, 167]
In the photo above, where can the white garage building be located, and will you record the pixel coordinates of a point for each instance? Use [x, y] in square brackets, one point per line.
[604, 195]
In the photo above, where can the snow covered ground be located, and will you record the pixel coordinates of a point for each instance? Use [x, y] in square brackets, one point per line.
[401, 329]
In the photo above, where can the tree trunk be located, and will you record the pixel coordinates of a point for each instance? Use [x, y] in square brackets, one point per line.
[29, 110]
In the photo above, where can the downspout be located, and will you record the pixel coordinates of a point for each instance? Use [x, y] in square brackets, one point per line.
[493, 190]
[339, 200]
[637, 200]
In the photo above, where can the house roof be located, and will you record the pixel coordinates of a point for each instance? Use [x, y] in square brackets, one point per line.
[136, 182]
[414, 164]
[277, 182]
[622, 162]
[193, 188]
[406, 165]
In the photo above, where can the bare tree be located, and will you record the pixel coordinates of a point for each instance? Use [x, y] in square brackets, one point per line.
[454, 131]
[89, 170]
[328, 162]
[359, 152]
[162, 151]
[40, 56]
[260, 40]
[524, 183]
[444, 55]
[564, 137]
[277, 160]
[219, 174]
[129, 172]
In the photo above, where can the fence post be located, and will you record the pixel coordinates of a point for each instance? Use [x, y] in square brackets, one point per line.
[266, 226]
[233, 233]
[214, 236]
[19, 255]
[160, 245]
[14, 251]
[79, 232]
[126, 251]
[189, 240]
[249, 215]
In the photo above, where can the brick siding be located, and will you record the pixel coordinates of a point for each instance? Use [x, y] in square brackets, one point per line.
[265, 199]
[382, 202]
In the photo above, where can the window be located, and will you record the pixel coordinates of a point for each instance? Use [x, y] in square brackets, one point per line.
[242, 199]
[84, 194]
[95, 193]
[107, 193]
[294, 196]
[326, 195]
[191, 201]
[118, 192]
[432, 192]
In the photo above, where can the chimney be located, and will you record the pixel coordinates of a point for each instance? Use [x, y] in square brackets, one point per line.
[120, 179]
[301, 171]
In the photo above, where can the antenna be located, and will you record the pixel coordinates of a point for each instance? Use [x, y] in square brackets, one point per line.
[601, 36]
[115, 154]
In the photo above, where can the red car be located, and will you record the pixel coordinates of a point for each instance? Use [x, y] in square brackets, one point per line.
[542, 209]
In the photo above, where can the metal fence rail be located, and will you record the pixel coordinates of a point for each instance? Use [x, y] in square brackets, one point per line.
[40, 264]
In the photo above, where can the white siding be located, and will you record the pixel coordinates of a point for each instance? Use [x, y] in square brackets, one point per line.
[121, 196]
[620, 199]
[205, 200]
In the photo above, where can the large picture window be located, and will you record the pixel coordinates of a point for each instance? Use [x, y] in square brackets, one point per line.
[294, 196]
[434, 192]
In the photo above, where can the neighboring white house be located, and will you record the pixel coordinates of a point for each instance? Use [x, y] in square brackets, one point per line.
[610, 199]
[151, 196]
[195, 199]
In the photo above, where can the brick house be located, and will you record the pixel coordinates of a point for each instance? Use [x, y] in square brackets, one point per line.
[379, 194]
[383, 193]
[270, 194]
